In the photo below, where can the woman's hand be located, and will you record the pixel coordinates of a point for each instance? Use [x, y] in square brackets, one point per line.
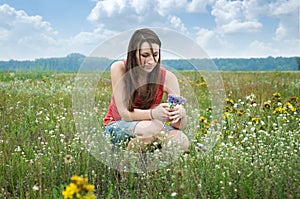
[176, 113]
[161, 112]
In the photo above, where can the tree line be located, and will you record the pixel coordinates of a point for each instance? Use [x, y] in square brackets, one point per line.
[75, 61]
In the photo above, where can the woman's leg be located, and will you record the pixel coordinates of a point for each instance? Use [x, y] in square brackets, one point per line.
[145, 133]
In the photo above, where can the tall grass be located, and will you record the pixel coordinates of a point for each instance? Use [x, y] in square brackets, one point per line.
[256, 155]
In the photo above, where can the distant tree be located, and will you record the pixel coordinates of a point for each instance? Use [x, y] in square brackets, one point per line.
[298, 62]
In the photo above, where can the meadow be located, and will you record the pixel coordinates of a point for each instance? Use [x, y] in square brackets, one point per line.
[256, 154]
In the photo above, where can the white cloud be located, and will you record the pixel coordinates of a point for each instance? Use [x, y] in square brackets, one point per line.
[205, 37]
[213, 43]
[262, 48]
[29, 37]
[281, 31]
[18, 23]
[140, 6]
[23, 34]
[236, 26]
[107, 9]
[121, 15]
[166, 7]
[288, 14]
[198, 5]
[85, 42]
[253, 9]
[284, 7]
[236, 16]
[258, 48]
[177, 23]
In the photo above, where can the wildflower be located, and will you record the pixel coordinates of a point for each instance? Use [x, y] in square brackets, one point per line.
[207, 125]
[44, 79]
[70, 191]
[227, 115]
[288, 105]
[201, 147]
[280, 109]
[202, 119]
[68, 159]
[255, 120]
[35, 188]
[229, 101]
[276, 95]
[173, 100]
[79, 188]
[202, 84]
[173, 194]
[267, 104]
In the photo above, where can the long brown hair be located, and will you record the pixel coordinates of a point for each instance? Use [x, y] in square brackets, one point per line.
[131, 78]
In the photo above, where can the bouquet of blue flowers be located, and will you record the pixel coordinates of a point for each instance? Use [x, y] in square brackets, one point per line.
[173, 100]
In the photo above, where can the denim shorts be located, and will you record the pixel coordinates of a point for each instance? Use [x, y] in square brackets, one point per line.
[123, 131]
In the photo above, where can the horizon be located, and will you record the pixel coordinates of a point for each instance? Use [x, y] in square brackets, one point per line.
[169, 58]
[55, 57]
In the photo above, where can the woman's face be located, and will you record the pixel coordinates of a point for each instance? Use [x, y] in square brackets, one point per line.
[148, 56]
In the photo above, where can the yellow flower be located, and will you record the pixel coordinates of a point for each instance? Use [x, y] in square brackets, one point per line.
[288, 105]
[254, 119]
[202, 119]
[89, 197]
[206, 125]
[280, 110]
[202, 84]
[267, 104]
[277, 95]
[79, 180]
[79, 188]
[71, 189]
[227, 115]
[89, 187]
[229, 101]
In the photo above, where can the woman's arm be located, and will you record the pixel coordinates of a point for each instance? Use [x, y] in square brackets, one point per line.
[118, 87]
[117, 73]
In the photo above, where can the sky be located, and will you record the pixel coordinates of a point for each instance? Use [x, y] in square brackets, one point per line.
[31, 29]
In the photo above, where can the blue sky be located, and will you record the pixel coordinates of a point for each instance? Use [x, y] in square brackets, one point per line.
[32, 29]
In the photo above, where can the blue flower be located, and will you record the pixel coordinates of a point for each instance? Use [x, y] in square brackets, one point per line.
[173, 100]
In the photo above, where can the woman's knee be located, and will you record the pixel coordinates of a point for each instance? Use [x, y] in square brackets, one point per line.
[146, 129]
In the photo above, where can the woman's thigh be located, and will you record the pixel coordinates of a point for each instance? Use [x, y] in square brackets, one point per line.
[121, 131]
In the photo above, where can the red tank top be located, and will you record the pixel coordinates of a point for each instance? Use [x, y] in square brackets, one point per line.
[113, 113]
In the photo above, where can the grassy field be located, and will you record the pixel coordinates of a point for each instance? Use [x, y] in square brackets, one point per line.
[256, 155]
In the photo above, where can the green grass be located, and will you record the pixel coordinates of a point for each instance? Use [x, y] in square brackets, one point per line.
[256, 155]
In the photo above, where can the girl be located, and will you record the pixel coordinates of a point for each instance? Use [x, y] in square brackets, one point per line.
[138, 83]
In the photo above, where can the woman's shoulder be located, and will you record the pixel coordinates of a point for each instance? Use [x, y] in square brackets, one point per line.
[118, 66]
[170, 75]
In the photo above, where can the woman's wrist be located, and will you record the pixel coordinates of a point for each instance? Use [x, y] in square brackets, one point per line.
[151, 115]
